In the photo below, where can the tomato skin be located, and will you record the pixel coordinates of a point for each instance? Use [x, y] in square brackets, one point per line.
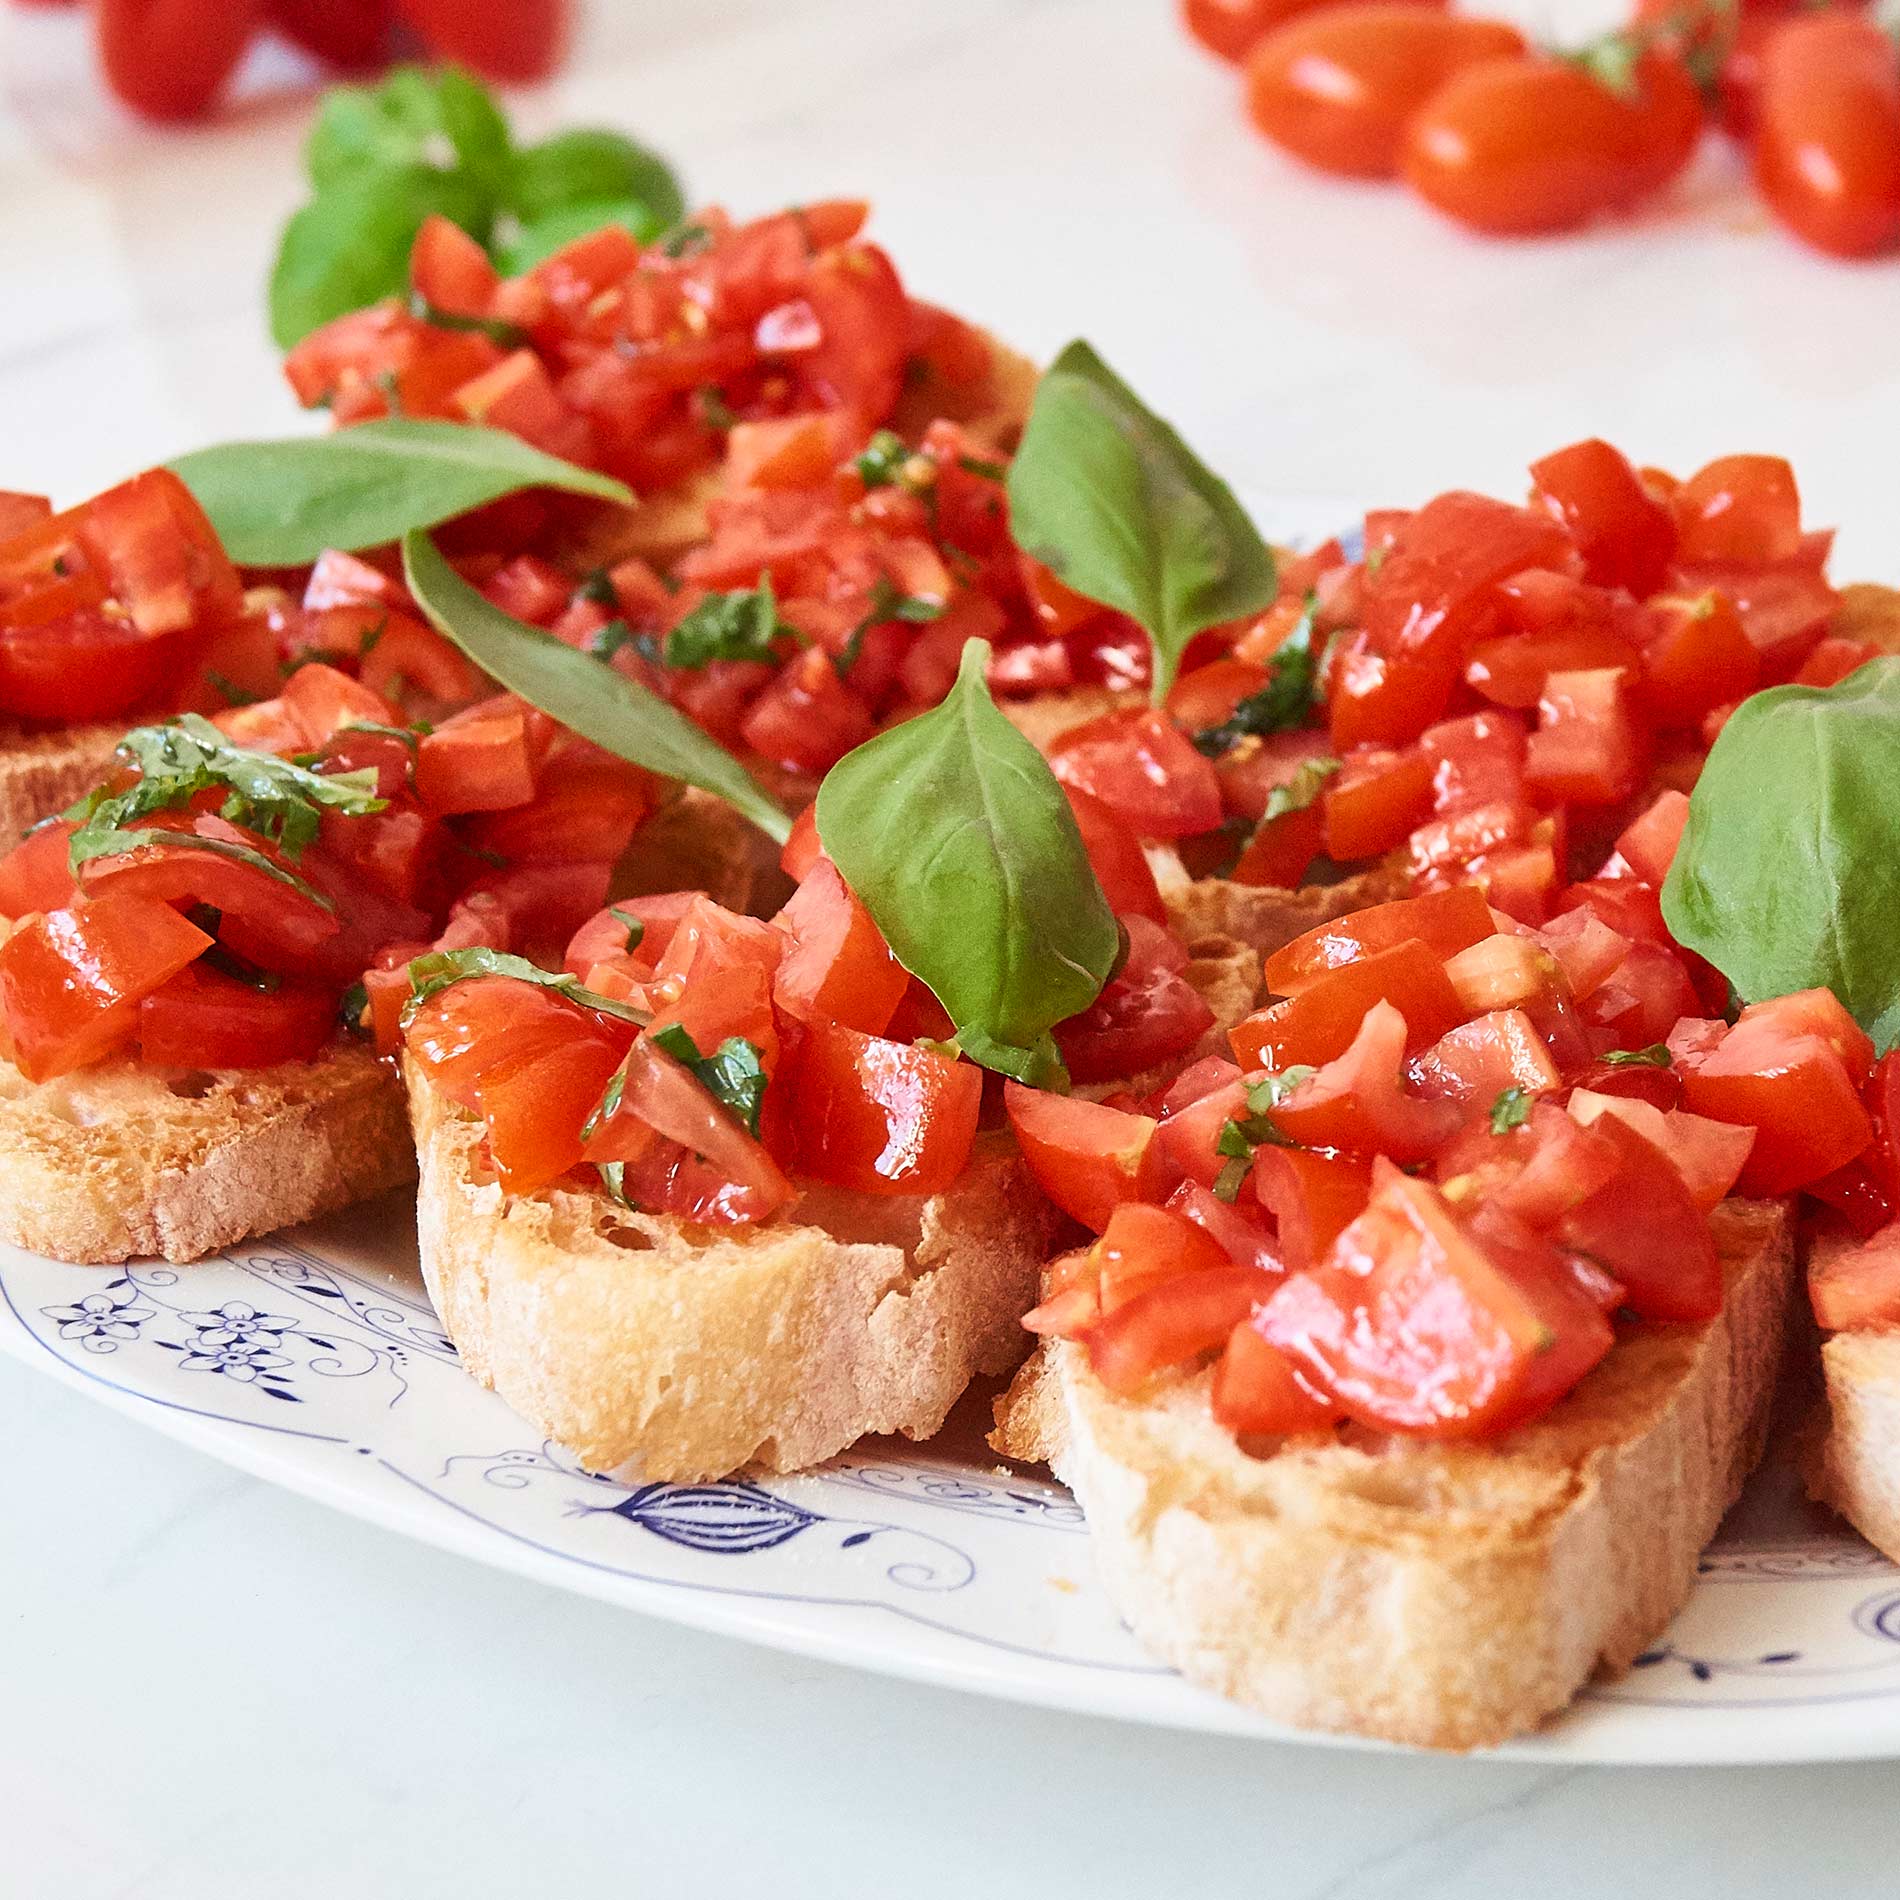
[881, 1117]
[520, 42]
[37, 873]
[1740, 509]
[1358, 1101]
[1177, 1319]
[836, 964]
[1526, 147]
[1140, 765]
[1232, 28]
[1337, 87]
[1148, 1014]
[1373, 801]
[1088, 1158]
[1258, 1391]
[169, 59]
[71, 981]
[352, 34]
[1114, 853]
[200, 1019]
[1827, 143]
[1321, 1022]
[1313, 1198]
[1447, 921]
[1626, 536]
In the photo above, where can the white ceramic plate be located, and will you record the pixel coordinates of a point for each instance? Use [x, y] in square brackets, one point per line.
[313, 1359]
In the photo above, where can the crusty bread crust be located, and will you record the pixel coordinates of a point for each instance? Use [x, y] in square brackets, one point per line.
[1445, 1595]
[1855, 1468]
[122, 1161]
[43, 772]
[647, 1345]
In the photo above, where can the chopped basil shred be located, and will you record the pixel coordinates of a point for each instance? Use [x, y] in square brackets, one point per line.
[732, 1075]
[1656, 1056]
[741, 625]
[431, 975]
[274, 797]
[1512, 1109]
[636, 927]
[1301, 790]
[1239, 1138]
[1287, 700]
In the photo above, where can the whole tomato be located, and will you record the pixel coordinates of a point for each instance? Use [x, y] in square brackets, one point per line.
[1232, 28]
[1522, 147]
[1827, 140]
[500, 39]
[170, 58]
[353, 34]
[1339, 87]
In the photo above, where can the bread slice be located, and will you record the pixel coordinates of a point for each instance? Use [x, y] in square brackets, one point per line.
[121, 1161]
[1855, 1466]
[44, 772]
[1446, 1595]
[650, 1346]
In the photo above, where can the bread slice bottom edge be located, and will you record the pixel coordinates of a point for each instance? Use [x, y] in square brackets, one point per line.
[1439, 1594]
[1856, 1468]
[120, 1161]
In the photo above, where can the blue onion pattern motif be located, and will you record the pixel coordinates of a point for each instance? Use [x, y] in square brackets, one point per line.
[102, 1322]
[723, 1518]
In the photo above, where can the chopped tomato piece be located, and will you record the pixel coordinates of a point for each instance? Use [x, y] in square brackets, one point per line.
[1587, 749]
[1446, 921]
[71, 981]
[1857, 1287]
[1180, 1319]
[837, 964]
[1313, 1198]
[1237, 1231]
[1479, 1060]
[1626, 536]
[202, 1020]
[1776, 1074]
[1259, 1392]
[1709, 1155]
[1086, 1157]
[881, 1117]
[1358, 1102]
[1374, 800]
[802, 849]
[1281, 852]
[1321, 1022]
[1147, 1014]
[37, 873]
[1411, 1324]
[1648, 843]
[482, 759]
[1114, 854]
[1741, 508]
[1141, 765]
[1697, 657]
[1645, 1228]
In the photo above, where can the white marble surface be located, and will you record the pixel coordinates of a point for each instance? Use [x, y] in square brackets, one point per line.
[213, 1689]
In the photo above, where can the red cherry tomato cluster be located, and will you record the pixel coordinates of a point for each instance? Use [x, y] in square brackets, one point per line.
[1516, 141]
[170, 59]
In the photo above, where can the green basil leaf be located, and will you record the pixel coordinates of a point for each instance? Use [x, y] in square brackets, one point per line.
[414, 116]
[349, 246]
[280, 504]
[1109, 498]
[733, 1075]
[582, 693]
[1512, 1109]
[541, 237]
[1788, 874]
[431, 975]
[590, 166]
[955, 836]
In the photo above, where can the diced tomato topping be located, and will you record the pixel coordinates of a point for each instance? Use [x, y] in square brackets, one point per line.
[1359, 1101]
[1626, 536]
[1856, 1287]
[1446, 921]
[1320, 1023]
[837, 964]
[1260, 1392]
[202, 1020]
[1149, 1013]
[1312, 1196]
[1141, 765]
[1086, 1157]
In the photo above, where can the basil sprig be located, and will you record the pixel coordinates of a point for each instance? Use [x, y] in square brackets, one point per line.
[954, 835]
[382, 158]
[282, 503]
[580, 692]
[1788, 874]
[279, 800]
[1110, 499]
[430, 975]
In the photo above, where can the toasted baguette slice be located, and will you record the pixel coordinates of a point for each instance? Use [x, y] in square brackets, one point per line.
[120, 1161]
[650, 1346]
[43, 772]
[1855, 1469]
[1445, 1595]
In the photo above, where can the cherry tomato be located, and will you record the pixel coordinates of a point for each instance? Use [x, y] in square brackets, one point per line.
[169, 59]
[1522, 147]
[1232, 28]
[1338, 87]
[517, 40]
[351, 34]
[1827, 143]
